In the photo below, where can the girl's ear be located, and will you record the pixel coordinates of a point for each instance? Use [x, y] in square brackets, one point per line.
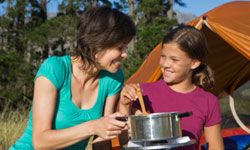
[195, 64]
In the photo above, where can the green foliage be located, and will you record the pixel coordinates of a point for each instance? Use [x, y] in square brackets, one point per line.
[151, 7]
[148, 36]
[61, 27]
[16, 78]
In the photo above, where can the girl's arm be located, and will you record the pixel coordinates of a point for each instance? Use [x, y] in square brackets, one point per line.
[110, 104]
[44, 137]
[213, 137]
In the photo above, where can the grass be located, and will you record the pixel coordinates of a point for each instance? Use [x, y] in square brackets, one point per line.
[242, 104]
[12, 124]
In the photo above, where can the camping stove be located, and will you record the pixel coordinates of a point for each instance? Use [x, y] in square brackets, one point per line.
[160, 144]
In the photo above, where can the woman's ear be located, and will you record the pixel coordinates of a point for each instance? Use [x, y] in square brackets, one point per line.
[97, 55]
[195, 64]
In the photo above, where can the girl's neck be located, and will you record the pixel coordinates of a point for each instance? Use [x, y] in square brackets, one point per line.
[183, 87]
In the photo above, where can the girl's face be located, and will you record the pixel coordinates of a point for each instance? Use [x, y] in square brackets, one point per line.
[176, 65]
[110, 59]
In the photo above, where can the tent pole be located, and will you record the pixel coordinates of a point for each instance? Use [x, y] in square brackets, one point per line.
[199, 24]
[236, 117]
[206, 23]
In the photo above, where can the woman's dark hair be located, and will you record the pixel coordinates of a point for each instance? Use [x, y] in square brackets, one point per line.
[101, 28]
[193, 42]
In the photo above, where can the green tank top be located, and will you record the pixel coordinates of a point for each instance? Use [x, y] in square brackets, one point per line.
[58, 70]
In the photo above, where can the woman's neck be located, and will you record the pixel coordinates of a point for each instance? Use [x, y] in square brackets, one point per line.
[83, 77]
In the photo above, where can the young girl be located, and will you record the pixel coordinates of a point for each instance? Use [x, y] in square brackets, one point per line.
[72, 93]
[186, 79]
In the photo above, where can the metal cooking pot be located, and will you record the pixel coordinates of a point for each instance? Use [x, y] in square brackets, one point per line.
[156, 126]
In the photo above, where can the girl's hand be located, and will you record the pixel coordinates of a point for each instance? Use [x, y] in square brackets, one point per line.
[129, 94]
[108, 127]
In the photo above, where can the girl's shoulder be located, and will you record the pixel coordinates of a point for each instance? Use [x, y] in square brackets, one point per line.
[205, 95]
[160, 84]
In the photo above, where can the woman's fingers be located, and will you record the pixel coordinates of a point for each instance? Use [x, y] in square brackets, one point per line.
[109, 127]
[117, 114]
[114, 133]
[118, 120]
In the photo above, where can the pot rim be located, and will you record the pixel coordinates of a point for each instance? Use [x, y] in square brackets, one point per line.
[155, 115]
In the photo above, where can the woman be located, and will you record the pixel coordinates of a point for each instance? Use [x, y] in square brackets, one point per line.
[71, 93]
[186, 79]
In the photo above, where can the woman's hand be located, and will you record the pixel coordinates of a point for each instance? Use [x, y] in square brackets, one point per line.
[108, 127]
[129, 94]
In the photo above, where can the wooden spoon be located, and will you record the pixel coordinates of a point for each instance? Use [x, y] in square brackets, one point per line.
[141, 101]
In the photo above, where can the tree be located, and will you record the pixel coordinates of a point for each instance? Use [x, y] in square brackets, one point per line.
[152, 25]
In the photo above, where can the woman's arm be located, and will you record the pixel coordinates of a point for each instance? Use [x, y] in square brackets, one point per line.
[213, 137]
[43, 112]
[109, 108]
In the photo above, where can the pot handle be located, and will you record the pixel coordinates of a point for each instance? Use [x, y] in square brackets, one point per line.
[185, 114]
[122, 118]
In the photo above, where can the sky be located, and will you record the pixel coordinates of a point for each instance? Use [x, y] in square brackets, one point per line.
[196, 7]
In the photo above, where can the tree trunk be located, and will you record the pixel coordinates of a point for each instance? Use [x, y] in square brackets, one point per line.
[131, 3]
[170, 12]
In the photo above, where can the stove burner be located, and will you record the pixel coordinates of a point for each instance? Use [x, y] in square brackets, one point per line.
[160, 144]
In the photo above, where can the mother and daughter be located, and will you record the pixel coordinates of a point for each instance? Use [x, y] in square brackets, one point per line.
[75, 96]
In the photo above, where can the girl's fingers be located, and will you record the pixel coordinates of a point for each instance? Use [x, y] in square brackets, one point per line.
[129, 91]
[128, 96]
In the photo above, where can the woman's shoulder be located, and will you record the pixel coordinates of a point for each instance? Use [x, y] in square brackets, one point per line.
[108, 76]
[56, 60]
[113, 82]
[55, 68]
[57, 63]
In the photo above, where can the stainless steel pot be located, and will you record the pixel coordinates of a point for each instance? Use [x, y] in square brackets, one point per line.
[156, 126]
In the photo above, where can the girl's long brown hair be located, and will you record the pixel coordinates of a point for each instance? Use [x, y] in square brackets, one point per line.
[193, 42]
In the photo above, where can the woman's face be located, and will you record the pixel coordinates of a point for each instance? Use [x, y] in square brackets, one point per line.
[110, 59]
[176, 65]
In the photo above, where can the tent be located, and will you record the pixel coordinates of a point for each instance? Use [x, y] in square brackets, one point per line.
[227, 29]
